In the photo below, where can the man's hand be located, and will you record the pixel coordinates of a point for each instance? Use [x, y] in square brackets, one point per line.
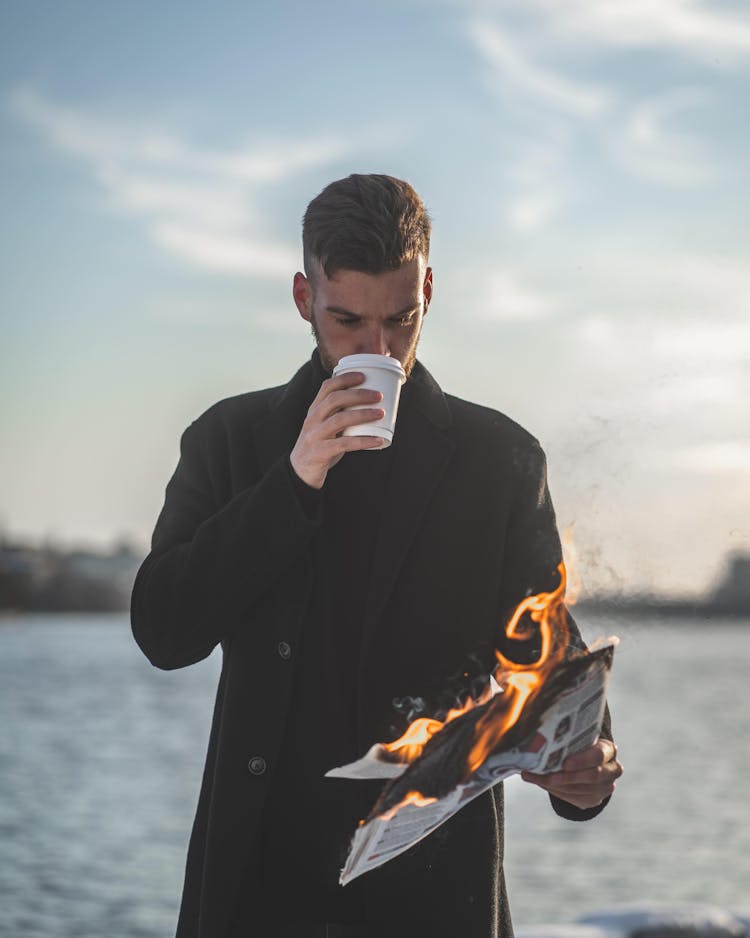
[587, 777]
[320, 444]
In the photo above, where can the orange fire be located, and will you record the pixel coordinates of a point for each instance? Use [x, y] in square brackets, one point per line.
[521, 680]
[412, 797]
[518, 683]
[410, 745]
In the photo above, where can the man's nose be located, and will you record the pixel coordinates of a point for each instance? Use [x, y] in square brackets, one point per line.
[375, 342]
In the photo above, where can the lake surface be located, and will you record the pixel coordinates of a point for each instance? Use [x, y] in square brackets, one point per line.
[101, 756]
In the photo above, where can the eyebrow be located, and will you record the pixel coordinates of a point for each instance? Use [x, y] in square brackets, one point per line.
[339, 310]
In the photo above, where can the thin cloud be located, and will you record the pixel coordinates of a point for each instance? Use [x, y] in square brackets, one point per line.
[199, 205]
[650, 150]
[104, 142]
[686, 342]
[697, 29]
[537, 174]
[693, 28]
[227, 254]
[689, 391]
[649, 139]
[715, 283]
[530, 213]
[218, 204]
[630, 286]
[678, 337]
[506, 299]
[270, 319]
[721, 456]
[504, 55]
[703, 341]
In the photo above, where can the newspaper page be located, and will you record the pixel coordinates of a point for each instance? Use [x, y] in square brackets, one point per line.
[566, 720]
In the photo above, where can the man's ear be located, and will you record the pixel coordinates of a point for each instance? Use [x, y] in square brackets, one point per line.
[427, 289]
[302, 293]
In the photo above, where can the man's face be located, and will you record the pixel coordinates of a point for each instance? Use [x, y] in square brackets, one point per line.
[352, 312]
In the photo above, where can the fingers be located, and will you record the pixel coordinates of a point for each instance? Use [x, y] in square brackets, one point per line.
[348, 444]
[586, 793]
[340, 383]
[599, 777]
[586, 779]
[338, 393]
[320, 444]
[602, 752]
[339, 421]
[318, 432]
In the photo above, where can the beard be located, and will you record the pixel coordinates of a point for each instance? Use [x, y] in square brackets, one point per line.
[329, 361]
[325, 356]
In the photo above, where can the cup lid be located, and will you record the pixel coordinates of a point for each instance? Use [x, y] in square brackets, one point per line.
[366, 360]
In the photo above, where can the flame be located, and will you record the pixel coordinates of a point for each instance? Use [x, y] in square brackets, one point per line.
[547, 610]
[519, 682]
[410, 745]
[518, 689]
[412, 797]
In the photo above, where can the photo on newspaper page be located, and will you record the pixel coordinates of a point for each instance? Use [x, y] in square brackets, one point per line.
[564, 717]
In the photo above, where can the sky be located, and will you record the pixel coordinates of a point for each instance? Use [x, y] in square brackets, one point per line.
[585, 165]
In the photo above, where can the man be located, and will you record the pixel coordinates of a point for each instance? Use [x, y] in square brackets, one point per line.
[338, 582]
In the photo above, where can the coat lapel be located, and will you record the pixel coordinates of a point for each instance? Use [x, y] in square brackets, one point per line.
[278, 432]
[423, 446]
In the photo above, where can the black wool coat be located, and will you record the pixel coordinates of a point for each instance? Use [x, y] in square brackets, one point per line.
[467, 530]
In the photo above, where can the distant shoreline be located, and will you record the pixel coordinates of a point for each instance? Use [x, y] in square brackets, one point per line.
[663, 608]
[40, 579]
[611, 607]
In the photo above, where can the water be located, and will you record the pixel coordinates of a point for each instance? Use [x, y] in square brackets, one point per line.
[677, 827]
[101, 755]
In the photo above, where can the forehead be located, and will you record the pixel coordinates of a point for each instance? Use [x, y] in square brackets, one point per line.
[372, 294]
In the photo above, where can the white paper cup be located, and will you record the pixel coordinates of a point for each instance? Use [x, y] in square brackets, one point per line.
[382, 373]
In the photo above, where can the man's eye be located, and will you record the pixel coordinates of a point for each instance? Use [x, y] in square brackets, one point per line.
[346, 322]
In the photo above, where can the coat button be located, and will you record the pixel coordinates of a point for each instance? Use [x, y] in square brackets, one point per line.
[257, 765]
[285, 650]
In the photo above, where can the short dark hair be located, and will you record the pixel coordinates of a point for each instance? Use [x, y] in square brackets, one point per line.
[369, 223]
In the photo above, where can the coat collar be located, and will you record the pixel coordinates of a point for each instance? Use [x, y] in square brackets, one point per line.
[277, 433]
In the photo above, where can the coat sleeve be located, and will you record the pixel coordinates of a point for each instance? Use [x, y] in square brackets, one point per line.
[211, 564]
[533, 552]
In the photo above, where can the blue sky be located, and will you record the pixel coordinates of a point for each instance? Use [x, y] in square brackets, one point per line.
[586, 167]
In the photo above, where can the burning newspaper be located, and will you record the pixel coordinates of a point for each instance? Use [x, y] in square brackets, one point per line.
[530, 718]
[564, 717]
